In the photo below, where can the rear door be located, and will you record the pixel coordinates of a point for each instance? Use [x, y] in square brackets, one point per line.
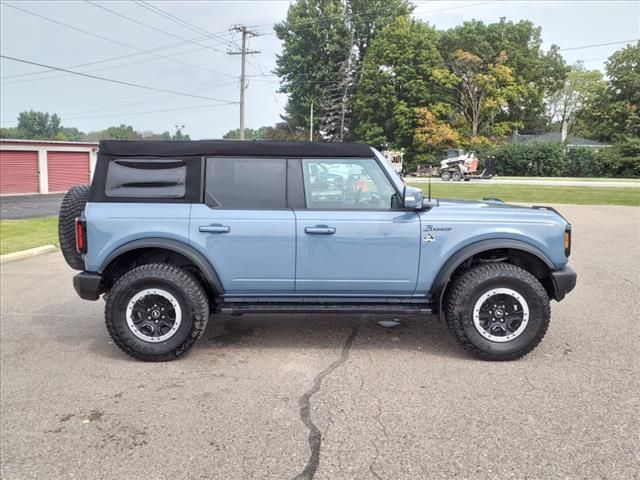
[353, 239]
[244, 226]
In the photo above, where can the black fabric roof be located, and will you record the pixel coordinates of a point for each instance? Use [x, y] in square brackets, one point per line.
[253, 148]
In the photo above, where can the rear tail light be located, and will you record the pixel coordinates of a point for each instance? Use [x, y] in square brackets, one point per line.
[81, 235]
[567, 240]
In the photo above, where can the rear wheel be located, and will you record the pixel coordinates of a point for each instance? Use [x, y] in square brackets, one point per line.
[156, 312]
[71, 208]
[497, 311]
[456, 176]
[445, 176]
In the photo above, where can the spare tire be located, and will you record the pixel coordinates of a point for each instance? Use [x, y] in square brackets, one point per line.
[72, 207]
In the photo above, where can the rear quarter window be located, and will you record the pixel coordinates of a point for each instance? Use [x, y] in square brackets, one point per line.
[161, 178]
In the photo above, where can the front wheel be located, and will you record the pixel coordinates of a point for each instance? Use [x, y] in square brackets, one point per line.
[456, 176]
[445, 176]
[497, 311]
[156, 312]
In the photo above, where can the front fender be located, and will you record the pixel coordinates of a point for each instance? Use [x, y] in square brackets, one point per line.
[444, 274]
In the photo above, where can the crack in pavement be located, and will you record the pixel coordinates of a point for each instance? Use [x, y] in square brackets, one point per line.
[315, 435]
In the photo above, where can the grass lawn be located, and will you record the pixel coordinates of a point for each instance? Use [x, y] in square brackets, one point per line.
[572, 179]
[536, 193]
[16, 235]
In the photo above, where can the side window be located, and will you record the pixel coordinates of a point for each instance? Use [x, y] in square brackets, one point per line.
[246, 183]
[347, 184]
[148, 178]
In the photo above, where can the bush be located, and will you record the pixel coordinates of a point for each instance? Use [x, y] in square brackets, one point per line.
[544, 159]
[582, 162]
[620, 160]
[530, 160]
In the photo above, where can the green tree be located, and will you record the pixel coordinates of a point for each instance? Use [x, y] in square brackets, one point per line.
[10, 132]
[479, 89]
[316, 44]
[368, 17]
[38, 125]
[324, 43]
[121, 132]
[535, 73]
[580, 89]
[249, 134]
[432, 135]
[71, 134]
[179, 136]
[614, 114]
[396, 78]
[281, 131]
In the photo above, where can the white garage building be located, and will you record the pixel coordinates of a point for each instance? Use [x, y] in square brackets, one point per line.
[44, 166]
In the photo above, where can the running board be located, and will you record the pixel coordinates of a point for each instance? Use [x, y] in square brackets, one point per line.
[406, 309]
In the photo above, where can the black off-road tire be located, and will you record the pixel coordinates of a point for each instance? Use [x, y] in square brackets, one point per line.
[445, 176]
[71, 208]
[456, 176]
[465, 290]
[187, 291]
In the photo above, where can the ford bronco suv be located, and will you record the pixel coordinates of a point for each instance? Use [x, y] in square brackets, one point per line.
[169, 232]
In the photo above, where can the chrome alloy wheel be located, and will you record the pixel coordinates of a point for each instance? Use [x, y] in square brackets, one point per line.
[153, 315]
[501, 315]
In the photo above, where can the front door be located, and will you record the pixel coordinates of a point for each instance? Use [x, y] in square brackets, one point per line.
[244, 227]
[351, 237]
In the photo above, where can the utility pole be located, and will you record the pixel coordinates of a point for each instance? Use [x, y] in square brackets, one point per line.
[243, 52]
[311, 123]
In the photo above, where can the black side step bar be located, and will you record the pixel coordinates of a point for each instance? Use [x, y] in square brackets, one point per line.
[409, 309]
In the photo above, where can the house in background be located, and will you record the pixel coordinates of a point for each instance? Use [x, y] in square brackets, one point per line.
[556, 137]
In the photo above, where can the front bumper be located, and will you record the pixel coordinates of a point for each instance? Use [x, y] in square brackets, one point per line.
[564, 280]
[87, 285]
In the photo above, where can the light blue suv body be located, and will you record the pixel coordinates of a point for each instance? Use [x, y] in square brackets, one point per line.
[301, 227]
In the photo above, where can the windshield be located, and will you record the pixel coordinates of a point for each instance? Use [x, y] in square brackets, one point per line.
[393, 175]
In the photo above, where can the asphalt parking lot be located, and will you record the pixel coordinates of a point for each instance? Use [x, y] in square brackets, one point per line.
[30, 206]
[335, 397]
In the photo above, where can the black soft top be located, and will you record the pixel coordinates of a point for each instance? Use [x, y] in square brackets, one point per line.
[233, 148]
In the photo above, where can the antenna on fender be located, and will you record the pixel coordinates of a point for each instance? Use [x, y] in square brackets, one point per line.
[430, 182]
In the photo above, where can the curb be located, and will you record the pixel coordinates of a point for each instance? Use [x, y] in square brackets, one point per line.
[31, 252]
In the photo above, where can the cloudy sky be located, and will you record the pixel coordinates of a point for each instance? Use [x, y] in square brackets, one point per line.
[182, 47]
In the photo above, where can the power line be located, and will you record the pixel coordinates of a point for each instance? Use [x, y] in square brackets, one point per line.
[105, 60]
[131, 104]
[142, 113]
[599, 45]
[183, 23]
[151, 52]
[110, 100]
[113, 12]
[138, 62]
[111, 80]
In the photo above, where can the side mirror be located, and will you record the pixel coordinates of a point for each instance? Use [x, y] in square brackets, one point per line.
[412, 198]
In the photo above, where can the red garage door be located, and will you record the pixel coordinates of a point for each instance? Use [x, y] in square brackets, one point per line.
[67, 169]
[18, 172]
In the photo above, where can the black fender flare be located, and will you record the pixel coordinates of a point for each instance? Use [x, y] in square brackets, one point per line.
[182, 248]
[455, 260]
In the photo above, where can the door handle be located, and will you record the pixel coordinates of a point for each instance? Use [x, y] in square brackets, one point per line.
[214, 229]
[320, 230]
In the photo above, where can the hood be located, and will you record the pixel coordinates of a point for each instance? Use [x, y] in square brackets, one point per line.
[496, 205]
